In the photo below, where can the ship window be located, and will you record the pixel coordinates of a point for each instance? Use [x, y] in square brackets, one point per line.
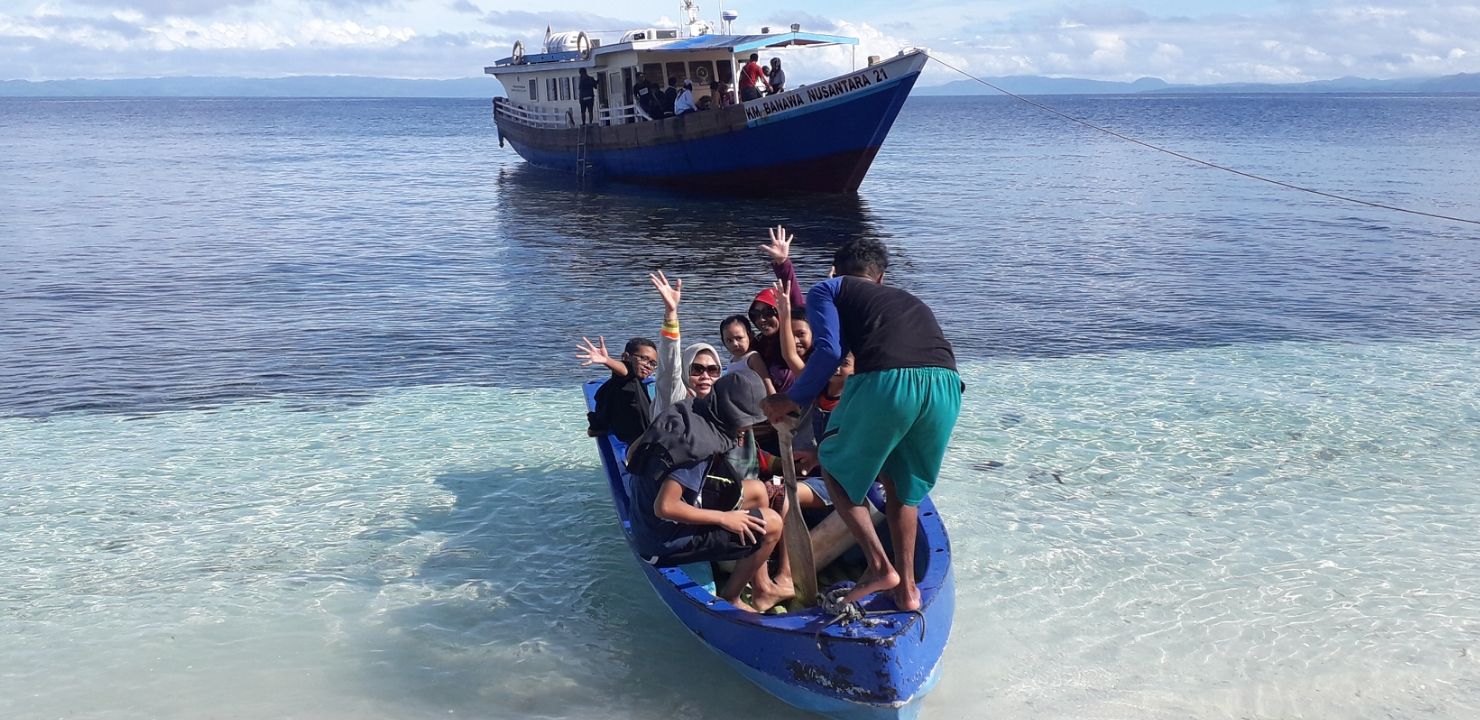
[552, 89]
[565, 88]
[723, 72]
[675, 71]
[651, 71]
[701, 73]
[534, 90]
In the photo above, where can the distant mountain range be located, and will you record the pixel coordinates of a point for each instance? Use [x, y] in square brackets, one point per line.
[300, 86]
[1035, 85]
[487, 87]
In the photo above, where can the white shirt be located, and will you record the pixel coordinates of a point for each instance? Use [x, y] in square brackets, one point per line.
[684, 102]
[739, 363]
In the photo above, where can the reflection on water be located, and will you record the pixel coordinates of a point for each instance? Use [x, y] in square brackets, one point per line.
[612, 236]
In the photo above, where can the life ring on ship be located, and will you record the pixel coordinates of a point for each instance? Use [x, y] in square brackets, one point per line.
[518, 52]
[583, 46]
[703, 73]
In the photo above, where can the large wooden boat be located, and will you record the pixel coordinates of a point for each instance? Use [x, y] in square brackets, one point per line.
[818, 138]
[874, 669]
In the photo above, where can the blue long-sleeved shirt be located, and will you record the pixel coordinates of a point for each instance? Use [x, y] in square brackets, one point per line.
[884, 327]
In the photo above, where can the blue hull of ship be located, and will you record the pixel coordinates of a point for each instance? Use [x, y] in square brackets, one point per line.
[826, 148]
[855, 671]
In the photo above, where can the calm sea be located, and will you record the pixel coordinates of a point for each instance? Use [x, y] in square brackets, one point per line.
[289, 424]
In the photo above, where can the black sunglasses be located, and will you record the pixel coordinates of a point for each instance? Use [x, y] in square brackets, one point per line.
[764, 311]
[701, 369]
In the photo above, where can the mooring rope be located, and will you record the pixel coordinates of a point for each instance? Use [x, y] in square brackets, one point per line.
[1215, 166]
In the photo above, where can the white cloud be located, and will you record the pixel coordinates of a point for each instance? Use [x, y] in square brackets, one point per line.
[1305, 40]
[122, 33]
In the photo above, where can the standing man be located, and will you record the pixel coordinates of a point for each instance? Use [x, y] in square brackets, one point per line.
[648, 106]
[749, 76]
[588, 97]
[896, 415]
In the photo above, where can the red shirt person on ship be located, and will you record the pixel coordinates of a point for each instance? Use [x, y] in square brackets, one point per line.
[749, 76]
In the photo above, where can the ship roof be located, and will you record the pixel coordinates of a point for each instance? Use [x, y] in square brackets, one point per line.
[747, 43]
[737, 44]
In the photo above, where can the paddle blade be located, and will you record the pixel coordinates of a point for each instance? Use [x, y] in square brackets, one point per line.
[794, 535]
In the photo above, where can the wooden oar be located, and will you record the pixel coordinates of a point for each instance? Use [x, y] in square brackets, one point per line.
[794, 528]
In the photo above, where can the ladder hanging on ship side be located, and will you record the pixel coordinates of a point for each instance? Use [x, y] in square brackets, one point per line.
[583, 153]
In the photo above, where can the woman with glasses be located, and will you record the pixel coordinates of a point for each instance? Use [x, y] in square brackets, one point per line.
[685, 374]
[691, 375]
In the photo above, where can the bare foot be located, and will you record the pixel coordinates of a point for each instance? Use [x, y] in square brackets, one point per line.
[766, 601]
[906, 598]
[871, 583]
[782, 586]
[747, 607]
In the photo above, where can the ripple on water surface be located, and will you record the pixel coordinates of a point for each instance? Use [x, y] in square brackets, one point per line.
[1249, 531]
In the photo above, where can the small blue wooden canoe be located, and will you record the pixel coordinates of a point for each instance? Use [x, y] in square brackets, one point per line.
[878, 668]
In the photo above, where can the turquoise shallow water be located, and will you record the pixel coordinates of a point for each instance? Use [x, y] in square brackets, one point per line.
[1274, 530]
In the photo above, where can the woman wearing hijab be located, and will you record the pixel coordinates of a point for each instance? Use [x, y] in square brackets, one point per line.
[680, 375]
[689, 504]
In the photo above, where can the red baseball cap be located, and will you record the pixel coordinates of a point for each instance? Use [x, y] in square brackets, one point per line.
[767, 296]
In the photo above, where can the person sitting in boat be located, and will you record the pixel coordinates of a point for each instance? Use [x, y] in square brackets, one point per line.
[827, 402]
[587, 88]
[796, 347]
[796, 334]
[764, 314]
[751, 76]
[684, 103]
[895, 419]
[738, 336]
[776, 77]
[623, 406]
[681, 375]
[690, 505]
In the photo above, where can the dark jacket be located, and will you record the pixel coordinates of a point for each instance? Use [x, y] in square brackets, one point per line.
[623, 407]
[694, 430]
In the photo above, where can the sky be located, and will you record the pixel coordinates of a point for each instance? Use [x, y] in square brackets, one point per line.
[1191, 41]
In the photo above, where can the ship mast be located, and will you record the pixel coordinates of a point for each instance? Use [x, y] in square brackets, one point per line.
[693, 26]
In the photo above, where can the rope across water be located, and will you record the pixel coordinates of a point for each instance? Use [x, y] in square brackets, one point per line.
[1215, 166]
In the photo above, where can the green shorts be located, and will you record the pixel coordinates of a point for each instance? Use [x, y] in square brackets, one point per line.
[894, 422]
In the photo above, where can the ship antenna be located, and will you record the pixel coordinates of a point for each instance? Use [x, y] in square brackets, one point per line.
[693, 25]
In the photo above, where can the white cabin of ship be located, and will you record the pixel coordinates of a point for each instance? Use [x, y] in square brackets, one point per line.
[544, 89]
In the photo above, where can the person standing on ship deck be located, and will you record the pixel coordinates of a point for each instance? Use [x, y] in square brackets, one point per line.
[588, 97]
[750, 75]
[777, 77]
